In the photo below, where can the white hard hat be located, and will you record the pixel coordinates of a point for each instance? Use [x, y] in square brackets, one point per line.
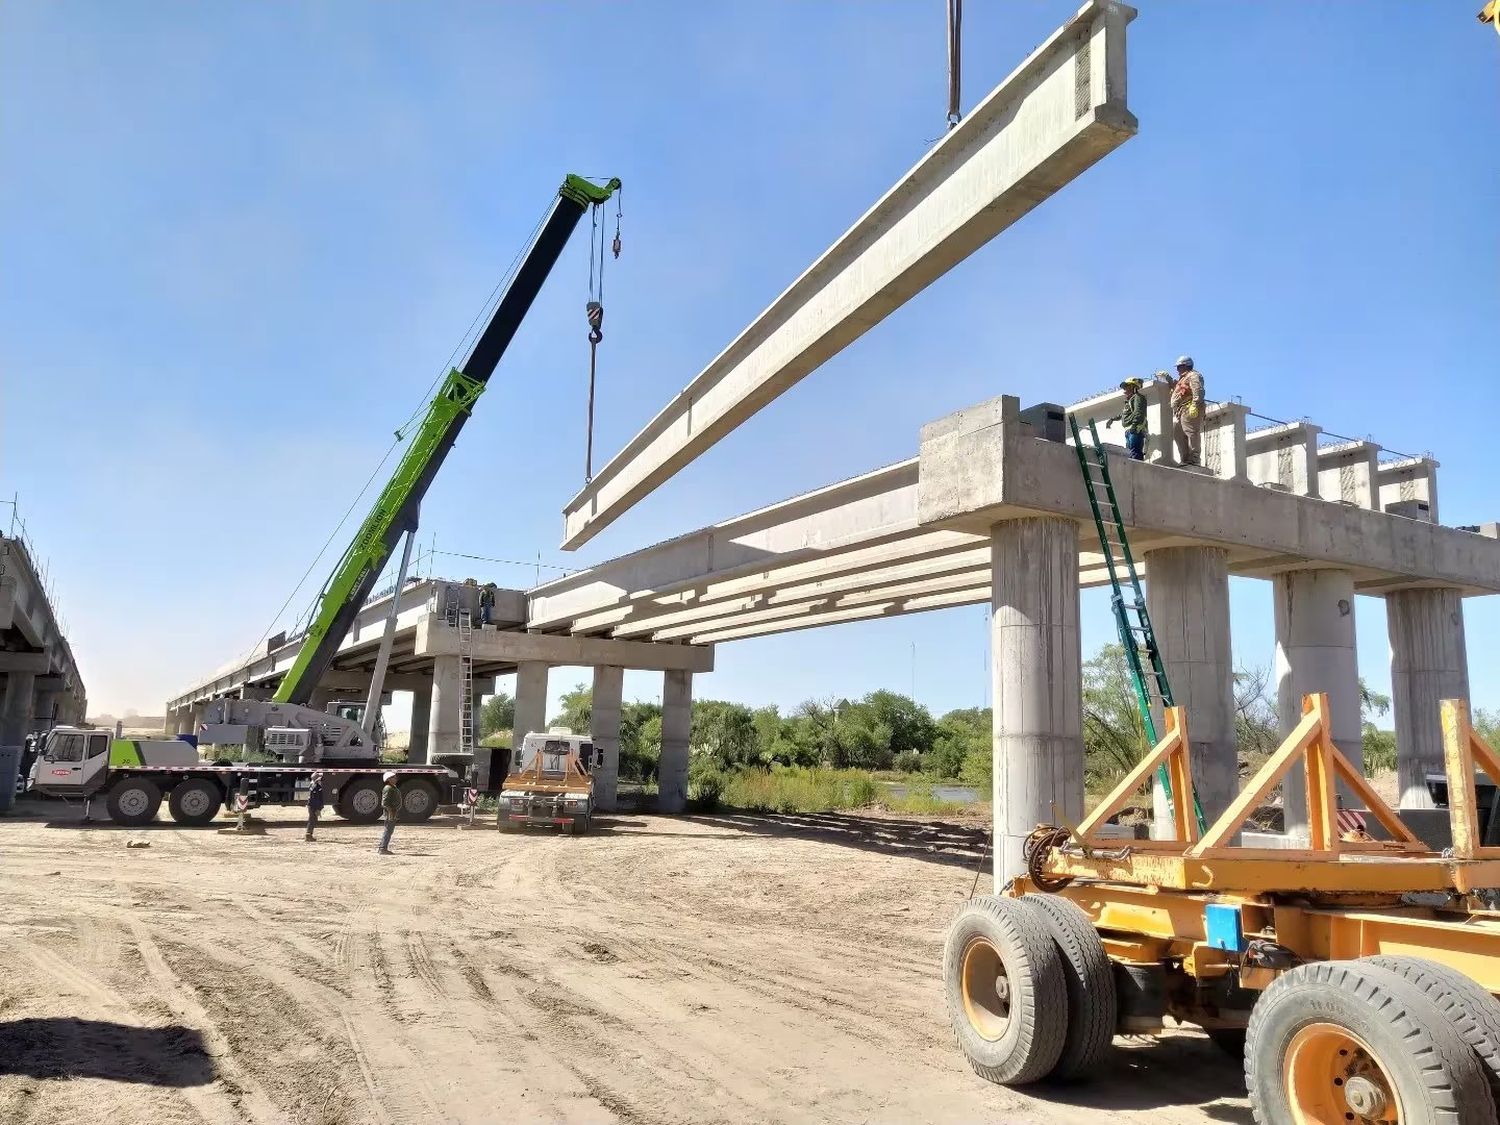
[1184, 361]
[390, 775]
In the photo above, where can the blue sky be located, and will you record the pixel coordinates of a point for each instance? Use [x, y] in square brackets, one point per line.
[239, 240]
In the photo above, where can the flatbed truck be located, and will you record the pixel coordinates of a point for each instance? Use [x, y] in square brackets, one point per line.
[134, 777]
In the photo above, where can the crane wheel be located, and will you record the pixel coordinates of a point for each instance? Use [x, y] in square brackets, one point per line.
[419, 800]
[1093, 1009]
[1469, 1008]
[133, 801]
[1006, 990]
[359, 801]
[195, 802]
[1338, 1041]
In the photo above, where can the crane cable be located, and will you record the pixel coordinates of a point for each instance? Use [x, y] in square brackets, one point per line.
[594, 312]
[955, 40]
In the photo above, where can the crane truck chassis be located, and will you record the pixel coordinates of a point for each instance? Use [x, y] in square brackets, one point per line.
[134, 777]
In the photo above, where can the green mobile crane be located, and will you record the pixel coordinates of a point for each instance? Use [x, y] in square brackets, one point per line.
[136, 775]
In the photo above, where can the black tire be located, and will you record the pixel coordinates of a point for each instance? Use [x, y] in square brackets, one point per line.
[419, 800]
[1424, 1064]
[1007, 996]
[1092, 1007]
[195, 802]
[359, 801]
[579, 825]
[133, 801]
[1469, 1008]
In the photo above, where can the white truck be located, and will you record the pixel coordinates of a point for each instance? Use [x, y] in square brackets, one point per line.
[550, 782]
[134, 776]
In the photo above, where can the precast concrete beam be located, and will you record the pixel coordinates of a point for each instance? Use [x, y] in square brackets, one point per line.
[1223, 435]
[1315, 652]
[1347, 472]
[1408, 487]
[676, 735]
[27, 663]
[1429, 663]
[1037, 680]
[436, 639]
[608, 698]
[1057, 114]
[1188, 599]
[1284, 456]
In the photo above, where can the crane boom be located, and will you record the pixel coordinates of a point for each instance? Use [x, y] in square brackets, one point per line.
[395, 510]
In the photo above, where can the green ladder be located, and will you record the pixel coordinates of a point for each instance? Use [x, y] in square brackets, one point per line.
[1131, 619]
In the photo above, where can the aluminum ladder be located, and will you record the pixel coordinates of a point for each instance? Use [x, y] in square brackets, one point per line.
[460, 620]
[1132, 621]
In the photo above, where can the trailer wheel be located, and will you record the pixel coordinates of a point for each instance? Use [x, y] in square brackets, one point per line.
[579, 826]
[1092, 1007]
[419, 800]
[1007, 997]
[1352, 1041]
[195, 801]
[359, 801]
[1468, 1007]
[133, 801]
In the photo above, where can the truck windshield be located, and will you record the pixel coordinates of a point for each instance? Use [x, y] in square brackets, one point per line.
[65, 748]
[554, 759]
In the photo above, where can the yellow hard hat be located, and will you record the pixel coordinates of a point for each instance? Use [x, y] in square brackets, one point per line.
[1133, 381]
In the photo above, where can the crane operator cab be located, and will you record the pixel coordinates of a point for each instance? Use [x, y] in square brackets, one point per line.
[77, 761]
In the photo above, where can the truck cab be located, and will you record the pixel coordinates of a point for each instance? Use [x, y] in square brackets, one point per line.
[76, 761]
[550, 782]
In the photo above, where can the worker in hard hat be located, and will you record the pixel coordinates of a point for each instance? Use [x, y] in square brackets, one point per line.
[390, 804]
[1133, 418]
[315, 802]
[1187, 404]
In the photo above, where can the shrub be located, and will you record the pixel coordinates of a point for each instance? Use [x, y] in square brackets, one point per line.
[908, 761]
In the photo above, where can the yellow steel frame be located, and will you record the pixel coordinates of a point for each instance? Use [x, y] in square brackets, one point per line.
[1340, 897]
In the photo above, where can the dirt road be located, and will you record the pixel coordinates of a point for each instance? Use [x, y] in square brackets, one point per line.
[711, 969]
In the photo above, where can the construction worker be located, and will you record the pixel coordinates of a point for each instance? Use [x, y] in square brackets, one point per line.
[1133, 418]
[1187, 410]
[315, 800]
[390, 804]
[486, 603]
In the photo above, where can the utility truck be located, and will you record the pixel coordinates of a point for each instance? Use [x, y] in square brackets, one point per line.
[134, 776]
[550, 781]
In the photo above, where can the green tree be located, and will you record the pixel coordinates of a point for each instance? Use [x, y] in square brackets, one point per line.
[1379, 746]
[1114, 738]
[497, 714]
[960, 735]
[725, 731]
[640, 740]
[911, 725]
[577, 710]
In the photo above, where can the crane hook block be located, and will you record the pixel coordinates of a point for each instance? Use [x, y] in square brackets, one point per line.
[615, 246]
[595, 312]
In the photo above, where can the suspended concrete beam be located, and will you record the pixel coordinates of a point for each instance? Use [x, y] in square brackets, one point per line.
[1058, 113]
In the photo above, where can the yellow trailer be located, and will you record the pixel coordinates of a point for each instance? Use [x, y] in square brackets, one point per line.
[1357, 976]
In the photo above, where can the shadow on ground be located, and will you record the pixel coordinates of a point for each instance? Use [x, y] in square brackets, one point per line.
[1156, 1074]
[954, 845]
[65, 1047]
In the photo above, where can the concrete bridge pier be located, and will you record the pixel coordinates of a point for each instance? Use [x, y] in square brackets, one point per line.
[443, 728]
[1429, 663]
[1036, 666]
[609, 689]
[676, 733]
[1315, 652]
[1187, 594]
[15, 707]
[421, 725]
[531, 700]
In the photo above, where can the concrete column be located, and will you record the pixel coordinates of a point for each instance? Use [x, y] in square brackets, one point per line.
[1224, 452]
[1409, 488]
[609, 689]
[531, 701]
[1315, 652]
[1187, 594]
[1429, 663]
[1285, 457]
[1037, 672]
[676, 734]
[1347, 473]
[44, 709]
[447, 706]
[15, 708]
[421, 720]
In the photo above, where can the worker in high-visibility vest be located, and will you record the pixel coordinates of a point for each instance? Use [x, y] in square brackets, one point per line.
[1187, 404]
[1133, 418]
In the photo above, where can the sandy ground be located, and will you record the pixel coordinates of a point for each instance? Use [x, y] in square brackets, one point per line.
[708, 969]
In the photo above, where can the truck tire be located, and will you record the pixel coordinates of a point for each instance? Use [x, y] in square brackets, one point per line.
[1092, 1008]
[419, 800]
[1472, 1010]
[1345, 1040]
[579, 826]
[1006, 990]
[359, 801]
[133, 801]
[195, 802]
